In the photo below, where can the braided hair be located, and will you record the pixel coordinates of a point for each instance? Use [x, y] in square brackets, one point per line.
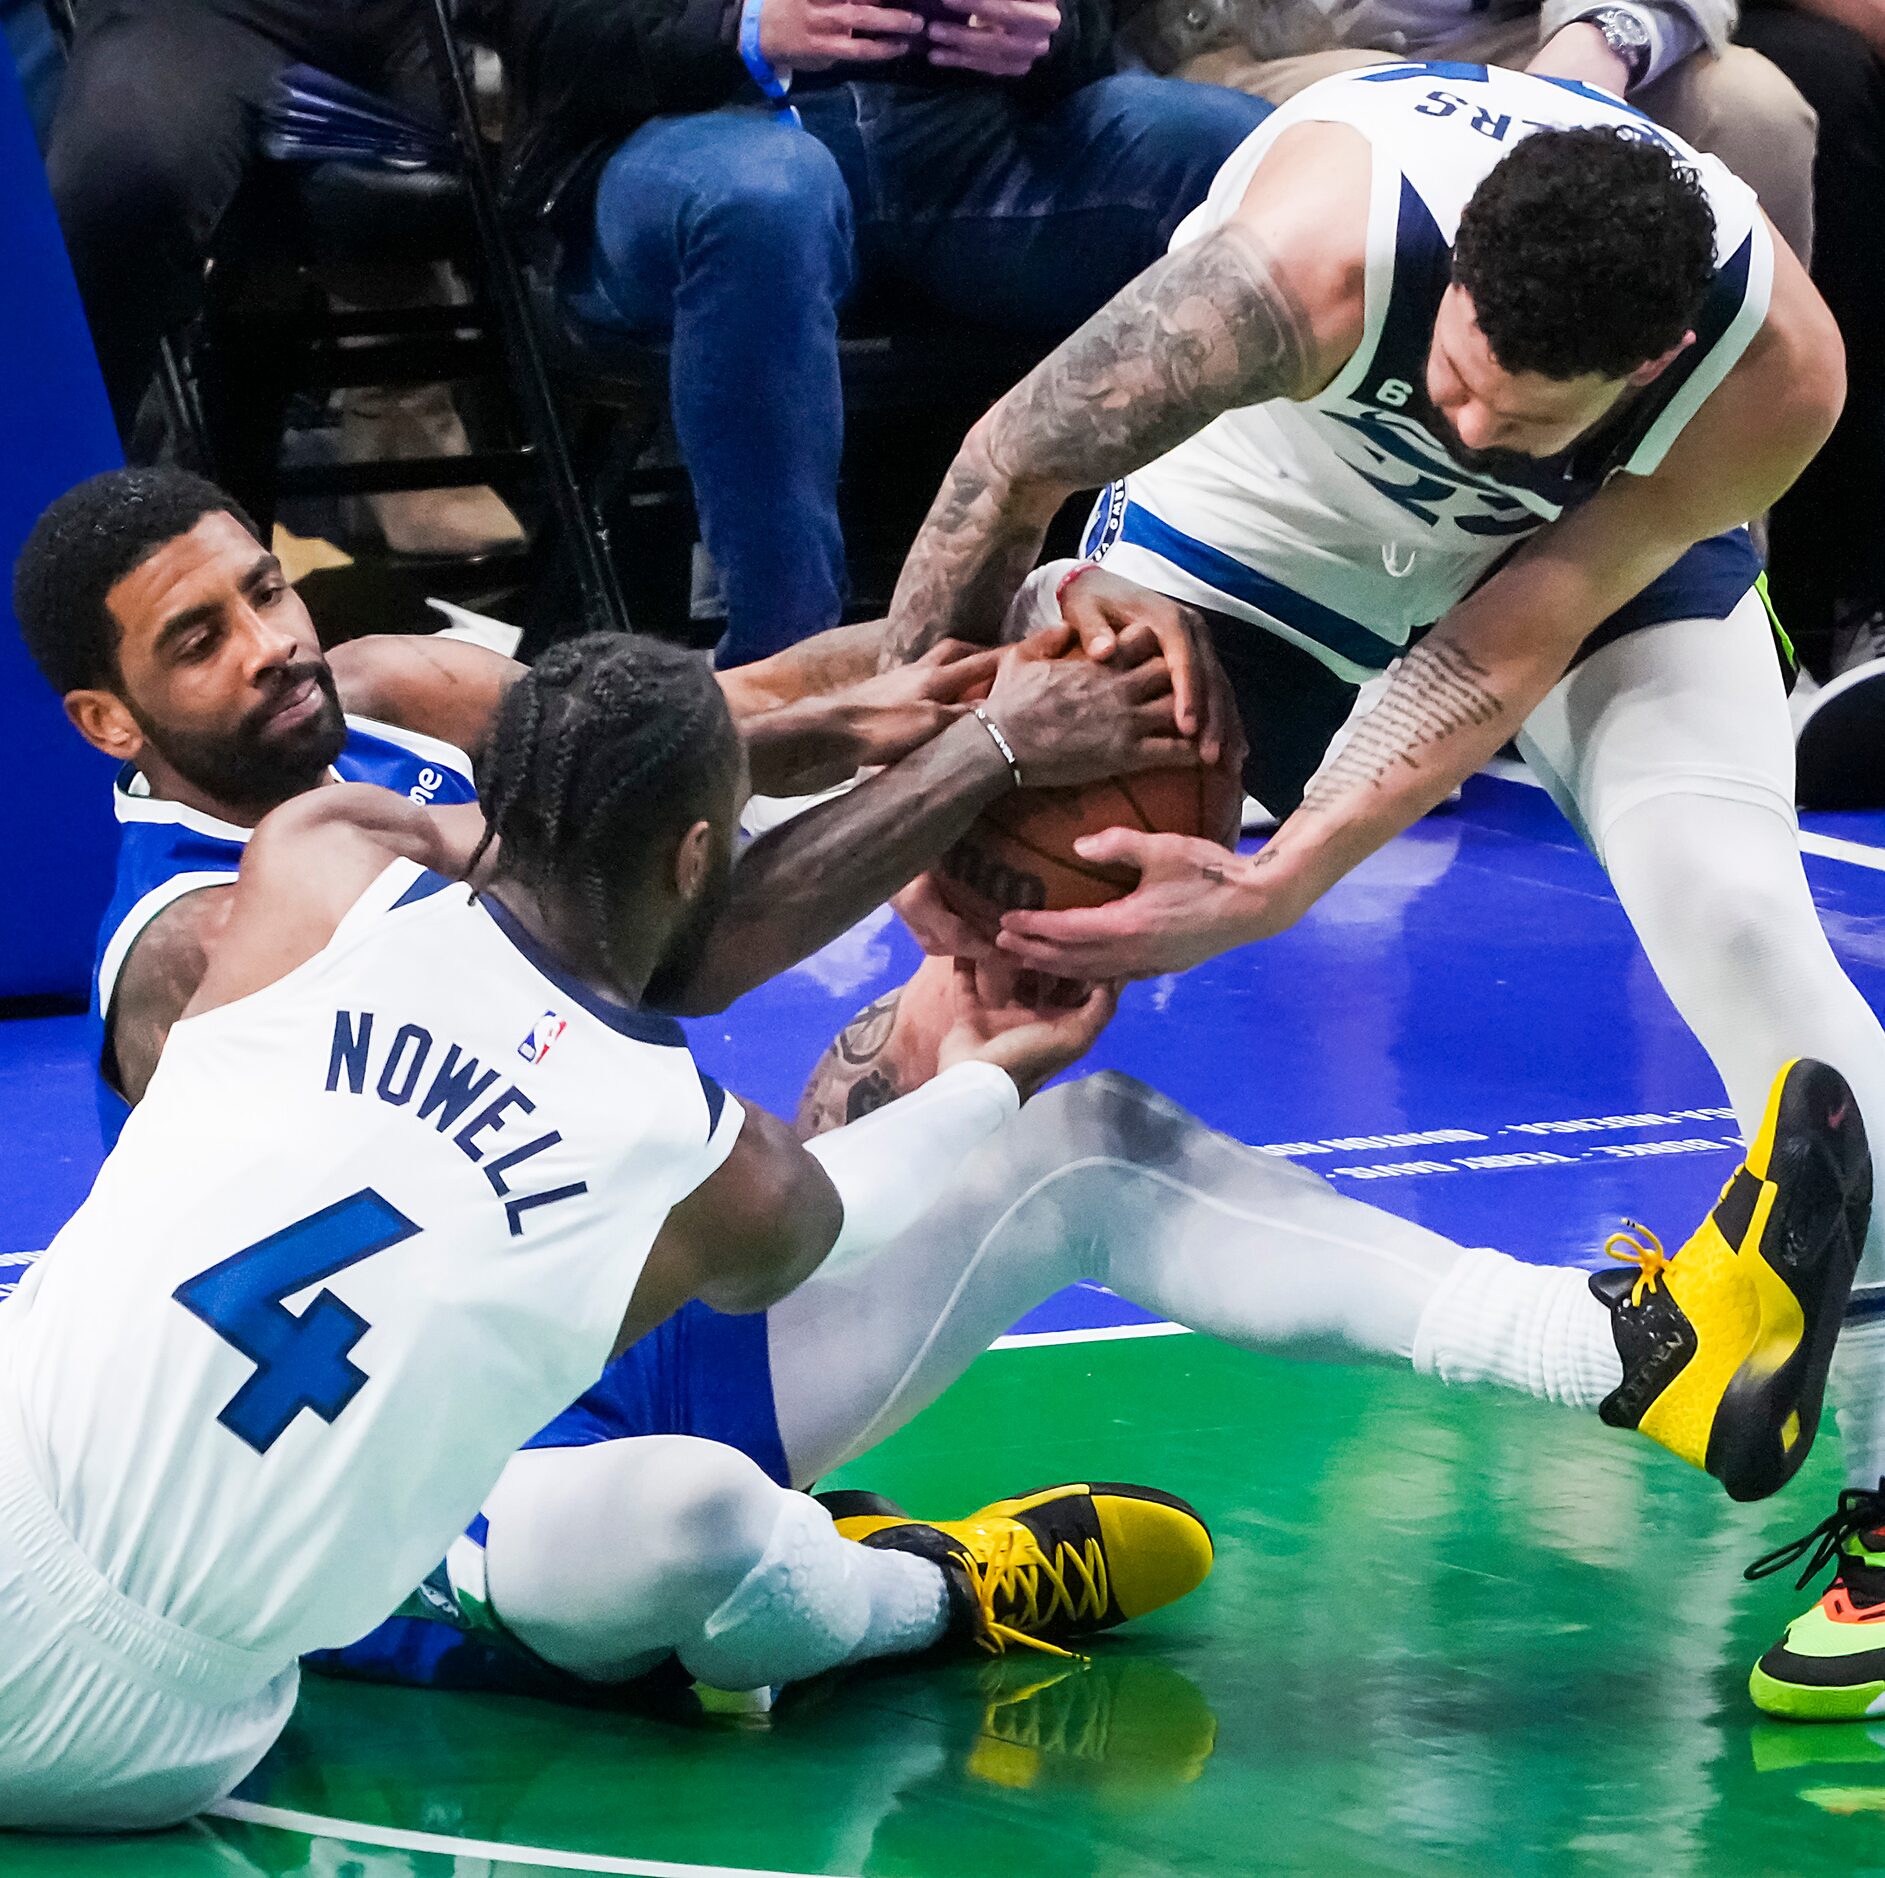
[608, 745]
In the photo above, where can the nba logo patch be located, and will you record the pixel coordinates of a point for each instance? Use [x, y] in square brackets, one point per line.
[543, 1033]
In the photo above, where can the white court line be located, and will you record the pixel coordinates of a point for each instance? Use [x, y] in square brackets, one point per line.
[1827, 847]
[1103, 1333]
[1836, 848]
[395, 1839]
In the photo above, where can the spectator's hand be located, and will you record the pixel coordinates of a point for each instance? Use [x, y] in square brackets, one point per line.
[998, 38]
[1580, 51]
[808, 35]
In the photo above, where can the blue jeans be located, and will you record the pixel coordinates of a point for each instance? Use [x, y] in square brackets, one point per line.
[738, 236]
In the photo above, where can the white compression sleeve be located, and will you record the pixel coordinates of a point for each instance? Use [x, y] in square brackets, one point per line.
[892, 1166]
[604, 1559]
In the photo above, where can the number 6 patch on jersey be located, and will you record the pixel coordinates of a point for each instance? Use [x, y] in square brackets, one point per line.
[301, 1362]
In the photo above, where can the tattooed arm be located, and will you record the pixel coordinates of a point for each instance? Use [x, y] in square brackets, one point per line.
[1472, 682]
[1268, 306]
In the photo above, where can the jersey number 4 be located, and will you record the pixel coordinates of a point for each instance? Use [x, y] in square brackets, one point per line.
[301, 1362]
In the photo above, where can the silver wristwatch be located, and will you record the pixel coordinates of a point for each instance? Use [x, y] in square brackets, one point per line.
[1626, 35]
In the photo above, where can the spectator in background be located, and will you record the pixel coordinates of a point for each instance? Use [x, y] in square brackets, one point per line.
[1828, 534]
[1671, 58]
[152, 137]
[36, 59]
[726, 176]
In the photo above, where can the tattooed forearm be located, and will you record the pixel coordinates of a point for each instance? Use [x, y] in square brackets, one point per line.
[1439, 691]
[857, 1073]
[1207, 329]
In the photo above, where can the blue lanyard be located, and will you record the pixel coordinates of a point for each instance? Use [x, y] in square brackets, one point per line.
[758, 66]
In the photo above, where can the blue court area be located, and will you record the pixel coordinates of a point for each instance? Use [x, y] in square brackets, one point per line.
[1464, 1031]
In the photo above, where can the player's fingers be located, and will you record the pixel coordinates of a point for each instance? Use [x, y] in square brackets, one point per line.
[972, 672]
[1049, 952]
[1149, 681]
[1153, 751]
[1175, 641]
[1114, 847]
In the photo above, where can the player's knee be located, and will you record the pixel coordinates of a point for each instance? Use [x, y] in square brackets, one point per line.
[715, 1507]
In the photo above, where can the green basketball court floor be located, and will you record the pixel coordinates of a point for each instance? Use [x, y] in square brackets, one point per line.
[1446, 1633]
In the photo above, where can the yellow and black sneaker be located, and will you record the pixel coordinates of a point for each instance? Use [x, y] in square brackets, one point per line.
[1830, 1666]
[1726, 1345]
[1049, 1567]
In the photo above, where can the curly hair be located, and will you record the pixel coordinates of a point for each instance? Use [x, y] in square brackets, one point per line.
[608, 744]
[84, 544]
[1585, 252]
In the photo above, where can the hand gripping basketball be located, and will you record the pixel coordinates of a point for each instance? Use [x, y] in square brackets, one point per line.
[1020, 855]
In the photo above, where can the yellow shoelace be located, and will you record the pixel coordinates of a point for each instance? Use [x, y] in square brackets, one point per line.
[1016, 1569]
[1651, 1258]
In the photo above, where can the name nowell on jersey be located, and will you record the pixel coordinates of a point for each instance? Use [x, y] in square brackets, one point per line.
[459, 1084]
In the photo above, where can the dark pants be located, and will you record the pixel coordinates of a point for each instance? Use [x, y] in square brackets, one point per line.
[155, 130]
[1828, 534]
[739, 235]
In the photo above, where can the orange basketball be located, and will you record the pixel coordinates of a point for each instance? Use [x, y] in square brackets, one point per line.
[1019, 854]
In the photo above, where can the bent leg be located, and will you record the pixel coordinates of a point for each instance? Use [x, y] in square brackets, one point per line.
[152, 137]
[1672, 748]
[1107, 1181]
[603, 1560]
[729, 232]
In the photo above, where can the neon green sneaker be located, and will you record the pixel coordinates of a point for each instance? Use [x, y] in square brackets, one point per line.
[1830, 1666]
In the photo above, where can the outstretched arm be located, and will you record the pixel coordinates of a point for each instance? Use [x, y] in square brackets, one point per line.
[1068, 721]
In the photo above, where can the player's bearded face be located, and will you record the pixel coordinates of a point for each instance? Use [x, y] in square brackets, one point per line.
[1489, 419]
[221, 671]
[279, 746]
[688, 941]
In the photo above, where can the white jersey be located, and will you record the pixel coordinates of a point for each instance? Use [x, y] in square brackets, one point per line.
[369, 1230]
[1340, 522]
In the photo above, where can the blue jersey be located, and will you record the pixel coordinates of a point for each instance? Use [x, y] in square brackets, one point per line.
[166, 850]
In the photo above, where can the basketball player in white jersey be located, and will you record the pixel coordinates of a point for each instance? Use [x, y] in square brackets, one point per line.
[1481, 373]
[600, 1551]
[412, 1164]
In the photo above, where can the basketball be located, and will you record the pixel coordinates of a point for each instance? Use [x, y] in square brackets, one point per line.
[1019, 855]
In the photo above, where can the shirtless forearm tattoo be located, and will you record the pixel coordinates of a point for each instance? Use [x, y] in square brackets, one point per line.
[1438, 691]
[857, 1073]
[1198, 333]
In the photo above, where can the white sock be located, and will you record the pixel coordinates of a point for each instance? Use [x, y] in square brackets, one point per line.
[1534, 1328]
[814, 1601]
[909, 1603]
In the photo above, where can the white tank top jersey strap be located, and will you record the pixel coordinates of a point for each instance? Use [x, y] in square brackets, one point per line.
[370, 1229]
[1340, 523]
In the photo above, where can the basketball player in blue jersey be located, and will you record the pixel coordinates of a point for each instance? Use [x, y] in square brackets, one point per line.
[1478, 375]
[600, 1553]
[180, 650]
